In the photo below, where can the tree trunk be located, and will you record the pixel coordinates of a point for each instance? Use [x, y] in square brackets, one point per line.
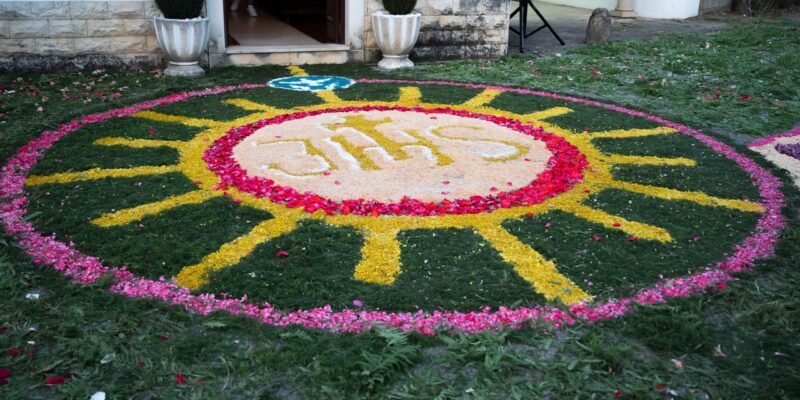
[741, 7]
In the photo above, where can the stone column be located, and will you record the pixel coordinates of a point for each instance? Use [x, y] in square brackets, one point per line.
[624, 9]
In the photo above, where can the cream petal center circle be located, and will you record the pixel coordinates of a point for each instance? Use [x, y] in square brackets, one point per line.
[388, 155]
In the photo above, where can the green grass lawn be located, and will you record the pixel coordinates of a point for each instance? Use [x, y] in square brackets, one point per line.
[743, 342]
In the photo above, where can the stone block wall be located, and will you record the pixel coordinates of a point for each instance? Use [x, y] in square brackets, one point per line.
[58, 35]
[452, 29]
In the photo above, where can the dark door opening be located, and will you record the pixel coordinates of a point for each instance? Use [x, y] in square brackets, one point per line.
[284, 22]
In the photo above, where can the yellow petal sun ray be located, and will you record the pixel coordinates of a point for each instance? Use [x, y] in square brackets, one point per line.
[99, 173]
[409, 96]
[328, 96]
[297, 70]
[544, 114]
[635, 229]
[138, 213]
[631, 133]
[482, 98]
[249, 105]
[380, 257]
[695, 197]
[531, 266]
[178, 119]
[231, 253]
[140, 143]
[648, 160]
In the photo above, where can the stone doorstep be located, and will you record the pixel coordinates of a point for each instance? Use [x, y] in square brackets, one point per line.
[280, 58]
[322, 48]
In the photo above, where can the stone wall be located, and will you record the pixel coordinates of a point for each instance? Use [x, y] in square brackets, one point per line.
[65, 35]
[452, 29]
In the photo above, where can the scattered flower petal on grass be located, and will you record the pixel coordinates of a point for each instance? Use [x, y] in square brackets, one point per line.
[15, 352]
[54, 380]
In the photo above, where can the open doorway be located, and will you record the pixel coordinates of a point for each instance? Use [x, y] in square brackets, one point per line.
[283, 22]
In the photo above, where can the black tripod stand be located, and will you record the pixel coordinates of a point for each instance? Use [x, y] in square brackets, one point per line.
[523, 33]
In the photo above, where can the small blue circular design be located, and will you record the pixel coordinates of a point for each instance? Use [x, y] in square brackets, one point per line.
[311, 83]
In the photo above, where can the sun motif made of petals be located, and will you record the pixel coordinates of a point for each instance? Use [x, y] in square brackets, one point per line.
[573, 171]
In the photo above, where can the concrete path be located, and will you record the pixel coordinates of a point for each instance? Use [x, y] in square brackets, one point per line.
[570, 23]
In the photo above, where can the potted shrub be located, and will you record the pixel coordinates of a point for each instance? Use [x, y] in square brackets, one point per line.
[183, 34]
[396, 31]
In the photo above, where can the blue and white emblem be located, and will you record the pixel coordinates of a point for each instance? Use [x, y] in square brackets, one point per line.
[311, 83]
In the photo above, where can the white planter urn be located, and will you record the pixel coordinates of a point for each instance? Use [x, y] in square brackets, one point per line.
[396, 35]
[183, 40]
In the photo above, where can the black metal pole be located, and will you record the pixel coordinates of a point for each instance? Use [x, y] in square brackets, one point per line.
[547, 24]
[523, 23]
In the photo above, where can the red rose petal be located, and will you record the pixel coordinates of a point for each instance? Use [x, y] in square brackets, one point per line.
[15, 352]
[5, 373]
[180, 378]
[282, 254]
[54, 379]
[596, 237]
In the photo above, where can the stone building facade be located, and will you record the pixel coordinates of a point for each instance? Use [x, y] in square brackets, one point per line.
[59, 35]
[53, 35]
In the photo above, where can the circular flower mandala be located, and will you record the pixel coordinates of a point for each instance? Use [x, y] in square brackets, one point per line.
[427, 205]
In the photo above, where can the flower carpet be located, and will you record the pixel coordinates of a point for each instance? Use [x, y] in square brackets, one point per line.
[783, 150]
[339, 203]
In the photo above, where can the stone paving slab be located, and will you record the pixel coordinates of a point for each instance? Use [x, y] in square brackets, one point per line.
[571, 22]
